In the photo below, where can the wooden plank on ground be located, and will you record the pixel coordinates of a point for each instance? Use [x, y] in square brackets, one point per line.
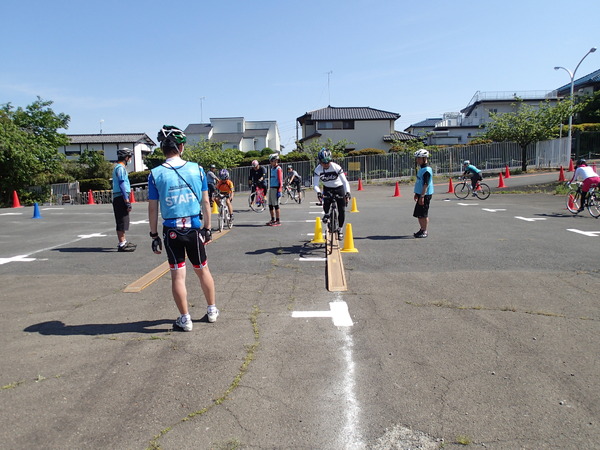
[336, 276]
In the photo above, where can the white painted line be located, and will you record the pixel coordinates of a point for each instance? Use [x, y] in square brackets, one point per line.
[311, 259]
[11, 214]
[93, 235]
[315, 212]
[338, 313]
[492, 210]
[50, 209]
[310, 221]
[139, 221]
[585, 233]
[468, 204]
[18, 258]
[530, 219]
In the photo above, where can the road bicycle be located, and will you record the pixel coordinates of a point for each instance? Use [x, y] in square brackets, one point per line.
[592, 200]
[224, 217]
[332, 222]
[290, 192]
[464, 188]
[257, 200]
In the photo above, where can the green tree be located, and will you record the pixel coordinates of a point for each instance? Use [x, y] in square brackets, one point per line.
[338, 149]
[93, 165]
[528, 124]
[204, 153]
[29, 140]
[590, 110]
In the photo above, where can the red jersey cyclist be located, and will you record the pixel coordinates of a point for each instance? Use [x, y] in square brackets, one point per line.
[590, 179]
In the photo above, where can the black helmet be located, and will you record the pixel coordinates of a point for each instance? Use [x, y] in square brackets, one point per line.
[171, 133]
[325, 156]
[124, 152]
[581, 162]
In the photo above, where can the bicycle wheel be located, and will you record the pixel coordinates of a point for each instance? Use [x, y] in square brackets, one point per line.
[229, 221]
[483, 192]
[254, 206]
[461, 190]
[333, 225]
[299, 196]
[573, 201]
[285, 196]
[593, 205]
[222, 218]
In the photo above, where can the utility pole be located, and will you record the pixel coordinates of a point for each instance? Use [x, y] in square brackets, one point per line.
[201, 100]
[328, 86]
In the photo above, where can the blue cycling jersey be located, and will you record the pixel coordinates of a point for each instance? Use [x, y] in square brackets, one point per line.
[472, 169]
[420, 181]
[120, 178]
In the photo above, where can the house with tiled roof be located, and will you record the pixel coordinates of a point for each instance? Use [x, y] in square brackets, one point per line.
[423, 127]
[364, 127]
[585, 85]
[140, 143]
[236, 132]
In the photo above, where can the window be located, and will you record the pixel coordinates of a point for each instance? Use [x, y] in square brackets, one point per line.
[335, 125]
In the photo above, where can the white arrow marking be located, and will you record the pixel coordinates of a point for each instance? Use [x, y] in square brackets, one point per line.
[87, 236]
[585, 233]
[19, 258]
[492, 210]
[530, 219]
[339, 313]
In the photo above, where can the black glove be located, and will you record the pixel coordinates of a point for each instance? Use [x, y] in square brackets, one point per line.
[206, 234]
[156, 244]
[320, 197]
[128, 206]
[347, 197]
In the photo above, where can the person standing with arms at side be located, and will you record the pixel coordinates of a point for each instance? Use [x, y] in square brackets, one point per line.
[121, 204]
[423, 192]
[211, 179]
[275, 187]
[180, 188]
[335, 184]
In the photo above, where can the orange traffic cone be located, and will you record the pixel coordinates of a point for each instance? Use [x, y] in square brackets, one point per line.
[571, 168]
[507, 172]
[450, 187]
[318, 238]
[16, 202]
[91, 198]
[501, 181]
[571, 203]
[360, 187]
[561, 175]
[131, 197]
[397, 191]
[349, 241]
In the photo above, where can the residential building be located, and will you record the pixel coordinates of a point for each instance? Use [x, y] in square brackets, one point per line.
[585, 85]
[140, 143]
[236, 132]
[364, 127]
[423, 127]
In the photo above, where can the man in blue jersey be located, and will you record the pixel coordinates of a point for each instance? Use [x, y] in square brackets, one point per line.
[423, 192]
[474, 172]
[181, 189]
[121, 205]
[275, 188]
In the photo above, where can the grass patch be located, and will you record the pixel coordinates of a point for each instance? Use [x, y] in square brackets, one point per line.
[12, 385]
[463, 440]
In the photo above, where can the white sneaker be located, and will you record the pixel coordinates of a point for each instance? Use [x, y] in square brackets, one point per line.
[212, 315]
[184, 322]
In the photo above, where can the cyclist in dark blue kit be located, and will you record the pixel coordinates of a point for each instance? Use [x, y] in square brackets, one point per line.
[180, 188]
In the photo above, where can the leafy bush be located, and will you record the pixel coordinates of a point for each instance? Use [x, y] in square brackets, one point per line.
[95, 184]
[366, 151]
[139, 177]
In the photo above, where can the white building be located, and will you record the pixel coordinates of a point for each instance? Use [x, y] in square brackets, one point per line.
[140, 143]
[363, 126]
[236, 132]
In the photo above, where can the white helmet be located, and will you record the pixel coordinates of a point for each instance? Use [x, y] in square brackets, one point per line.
[422, 153]
[466, 162]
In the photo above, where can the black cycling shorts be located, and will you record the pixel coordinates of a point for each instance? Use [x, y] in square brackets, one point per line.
[121, 213]
[180, 242]
[422, 211]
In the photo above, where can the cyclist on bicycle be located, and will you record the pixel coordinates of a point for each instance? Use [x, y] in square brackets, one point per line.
[474, 172]
[226, 189]
[256, 177]
[334, 183]
[211, 179]
[293, 179]
[590, 179]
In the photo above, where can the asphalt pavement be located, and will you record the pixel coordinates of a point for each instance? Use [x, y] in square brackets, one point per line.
[486, 332]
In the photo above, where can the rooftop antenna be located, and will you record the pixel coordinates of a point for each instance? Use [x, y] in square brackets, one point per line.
[101, 122]
[328, 86]
[201, 100]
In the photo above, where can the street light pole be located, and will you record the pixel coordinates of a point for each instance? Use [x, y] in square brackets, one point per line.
[572, 76]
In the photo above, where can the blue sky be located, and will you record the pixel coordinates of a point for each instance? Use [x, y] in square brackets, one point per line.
[139, 64]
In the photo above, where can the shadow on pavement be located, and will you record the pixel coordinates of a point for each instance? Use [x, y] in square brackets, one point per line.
[84, 250]
[57, 328]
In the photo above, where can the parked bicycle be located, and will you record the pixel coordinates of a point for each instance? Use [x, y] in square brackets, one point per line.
[257, 200]
[592, 201]
[464, 188]
[290, 192]
[224, 217]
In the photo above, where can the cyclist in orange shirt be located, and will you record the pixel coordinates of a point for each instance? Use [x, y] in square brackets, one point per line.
[226, 188]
